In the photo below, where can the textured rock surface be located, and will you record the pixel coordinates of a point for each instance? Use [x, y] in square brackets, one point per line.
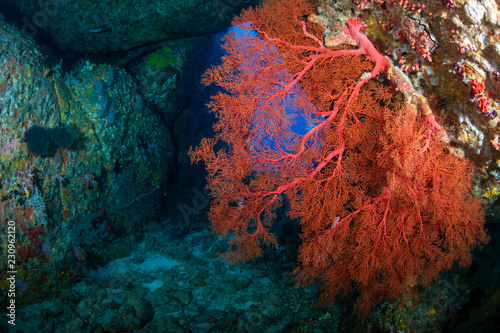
[79, 153]
[108, 25]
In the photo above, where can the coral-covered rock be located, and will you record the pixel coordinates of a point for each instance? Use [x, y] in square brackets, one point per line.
[79, 152]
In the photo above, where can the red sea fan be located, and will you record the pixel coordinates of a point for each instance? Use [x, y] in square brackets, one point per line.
[381, 203]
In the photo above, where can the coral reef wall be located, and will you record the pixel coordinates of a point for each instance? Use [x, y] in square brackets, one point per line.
[78, 152]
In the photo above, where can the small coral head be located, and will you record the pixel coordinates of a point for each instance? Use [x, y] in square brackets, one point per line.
[477, 87]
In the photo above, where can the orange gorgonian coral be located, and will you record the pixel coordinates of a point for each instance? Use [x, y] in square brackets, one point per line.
[382, 205]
